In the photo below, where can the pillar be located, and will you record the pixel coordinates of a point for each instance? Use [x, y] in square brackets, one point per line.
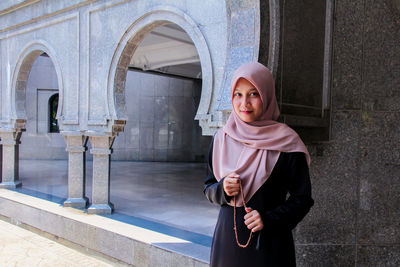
[10, 169]
[101, 151]
[1, 162]
[76, 148]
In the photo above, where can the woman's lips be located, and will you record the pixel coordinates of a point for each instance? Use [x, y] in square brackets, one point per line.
[247, 111]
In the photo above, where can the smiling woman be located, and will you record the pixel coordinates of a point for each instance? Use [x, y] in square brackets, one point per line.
[254, 161]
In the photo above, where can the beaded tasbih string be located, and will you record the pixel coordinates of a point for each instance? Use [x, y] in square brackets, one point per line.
[234, 218]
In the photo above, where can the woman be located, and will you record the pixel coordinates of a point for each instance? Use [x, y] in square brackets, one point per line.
[256, 161]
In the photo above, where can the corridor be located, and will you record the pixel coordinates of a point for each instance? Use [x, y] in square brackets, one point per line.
[164, 195]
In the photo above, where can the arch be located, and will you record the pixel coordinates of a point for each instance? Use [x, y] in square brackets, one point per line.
[21, 72]
[157, 16]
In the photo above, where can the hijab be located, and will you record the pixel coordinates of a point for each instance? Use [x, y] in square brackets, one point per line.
[252, 149]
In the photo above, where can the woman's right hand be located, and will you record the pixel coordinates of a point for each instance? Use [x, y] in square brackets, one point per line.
[231, 184]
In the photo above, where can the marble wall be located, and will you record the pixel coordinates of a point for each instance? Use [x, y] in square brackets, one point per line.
[356, 175]
[161, 125]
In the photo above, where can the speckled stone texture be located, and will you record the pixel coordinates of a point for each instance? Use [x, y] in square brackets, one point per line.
[356, 175]
[378, 256]
[325, 255]
[379, 206]
[76, 147]
[264, 33]
[10, 159]
[302, 56]
[347, 55]
[101, 150]
[334, 178]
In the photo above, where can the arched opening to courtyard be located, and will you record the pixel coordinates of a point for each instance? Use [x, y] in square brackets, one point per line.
[160, 78]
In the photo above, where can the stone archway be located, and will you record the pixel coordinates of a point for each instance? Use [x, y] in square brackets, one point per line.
[20, 77]
[130, 41]
[11, 134]
[155, 17]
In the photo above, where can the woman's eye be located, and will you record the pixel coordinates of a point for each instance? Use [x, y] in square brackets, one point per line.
[254, 94]
[237, 94]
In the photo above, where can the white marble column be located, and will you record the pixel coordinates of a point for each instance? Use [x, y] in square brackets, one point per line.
[10, 169]
[101, 151]
[76, 147]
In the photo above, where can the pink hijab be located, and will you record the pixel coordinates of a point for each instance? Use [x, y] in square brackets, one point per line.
[252, 149]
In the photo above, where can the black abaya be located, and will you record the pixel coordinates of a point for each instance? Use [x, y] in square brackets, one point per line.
[272, 246]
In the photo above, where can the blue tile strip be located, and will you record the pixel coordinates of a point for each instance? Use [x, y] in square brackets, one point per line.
[196, 238]
[40, 195]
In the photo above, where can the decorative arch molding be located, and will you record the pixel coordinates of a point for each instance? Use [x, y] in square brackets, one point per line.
[155, 17]
[20, 77]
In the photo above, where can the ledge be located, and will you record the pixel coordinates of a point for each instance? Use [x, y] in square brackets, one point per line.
[124, 242]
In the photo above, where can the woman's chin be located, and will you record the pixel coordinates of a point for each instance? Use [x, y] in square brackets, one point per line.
[247, 120]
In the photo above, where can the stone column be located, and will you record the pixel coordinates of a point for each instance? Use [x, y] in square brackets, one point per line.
[1, 161]
[76, 147]
[101, 151]
[10, 169]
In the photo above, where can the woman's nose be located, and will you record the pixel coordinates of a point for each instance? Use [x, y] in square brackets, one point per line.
[245, 101]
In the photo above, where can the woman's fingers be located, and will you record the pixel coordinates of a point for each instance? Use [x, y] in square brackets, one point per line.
[253, 221]
[232, 181]
[258, 227]
[231, 185]
[249, 218]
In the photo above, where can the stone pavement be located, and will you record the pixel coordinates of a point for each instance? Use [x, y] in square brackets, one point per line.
[20, 247]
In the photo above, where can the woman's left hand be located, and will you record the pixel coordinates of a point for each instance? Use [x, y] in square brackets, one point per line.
[253, 220]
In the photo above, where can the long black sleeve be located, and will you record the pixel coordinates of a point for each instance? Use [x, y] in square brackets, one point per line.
[213, 189]
[293, 210]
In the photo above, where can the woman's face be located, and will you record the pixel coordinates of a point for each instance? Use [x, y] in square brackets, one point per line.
[246, 101]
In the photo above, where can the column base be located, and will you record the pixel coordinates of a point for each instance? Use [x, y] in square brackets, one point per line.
[10, 184]
[100, 208]
[76, 202]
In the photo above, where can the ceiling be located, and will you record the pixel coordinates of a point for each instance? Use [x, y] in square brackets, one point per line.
[168, 49]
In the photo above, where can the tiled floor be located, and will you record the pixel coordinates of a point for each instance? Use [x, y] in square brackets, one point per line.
[167, 193]
[20, 247]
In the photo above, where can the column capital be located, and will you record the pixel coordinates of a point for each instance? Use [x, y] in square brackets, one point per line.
[9, 142]
[102, 141]
[75, 141]
[10, 137]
